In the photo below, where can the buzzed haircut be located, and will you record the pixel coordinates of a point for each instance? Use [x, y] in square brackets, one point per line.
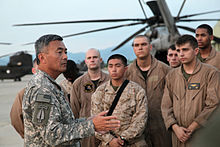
[187, 39]
[44, 41]
[141, 36]
[207, 27]
[120, 57]
[172, 47]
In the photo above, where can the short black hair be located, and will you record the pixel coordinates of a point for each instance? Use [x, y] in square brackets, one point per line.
[44, 41]
[120, 57]
[172, 47]
[187, 39]
[207, 27]
[72, 71]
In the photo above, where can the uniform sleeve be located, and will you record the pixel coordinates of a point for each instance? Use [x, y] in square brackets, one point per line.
[97, 107]
[47, 117]
[16, 114]
[212, 98]
[75, 99]
[167, 107]
[139, 118]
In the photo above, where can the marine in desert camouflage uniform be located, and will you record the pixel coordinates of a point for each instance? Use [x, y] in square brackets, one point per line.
[131, 108]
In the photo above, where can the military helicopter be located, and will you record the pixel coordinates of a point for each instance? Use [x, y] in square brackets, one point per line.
[20, 64]
[162, 27]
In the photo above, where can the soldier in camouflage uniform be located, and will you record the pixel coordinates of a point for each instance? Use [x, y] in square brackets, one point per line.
[48, 119]
[131, 108]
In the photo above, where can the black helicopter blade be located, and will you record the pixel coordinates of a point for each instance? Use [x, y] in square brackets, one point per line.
[80, 21]
[187, 20]
[130, 37]
[4, 43]
[215, 38]
[103, 29]
[181, 8]
[187, 28]
[142, 9]
[96, 30]
[196, 14]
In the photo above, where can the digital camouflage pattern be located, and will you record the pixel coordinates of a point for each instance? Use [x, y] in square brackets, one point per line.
[131, 110]
[48, 119]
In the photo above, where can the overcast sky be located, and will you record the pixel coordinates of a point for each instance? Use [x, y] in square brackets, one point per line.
[30, 11]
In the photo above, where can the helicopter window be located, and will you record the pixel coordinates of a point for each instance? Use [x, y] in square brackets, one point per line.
[137, 45]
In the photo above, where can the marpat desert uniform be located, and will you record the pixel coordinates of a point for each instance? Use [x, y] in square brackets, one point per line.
[131, 110]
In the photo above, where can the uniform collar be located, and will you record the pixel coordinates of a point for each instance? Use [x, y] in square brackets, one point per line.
[196, 70]
[154, 63]
[44, 74]
[102, 78]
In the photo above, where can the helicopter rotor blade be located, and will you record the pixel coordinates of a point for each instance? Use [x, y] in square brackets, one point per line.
[188, 20]
[96, 30]
[196, 14]
[5, 43]
[103, 29]
[142, 9]
[187, 28]
[130, 37]
[181, 8]
[81, 21]
[215, 38]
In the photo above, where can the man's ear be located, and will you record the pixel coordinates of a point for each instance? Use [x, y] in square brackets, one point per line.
[196, 51]
[100, 60]
[42, 58]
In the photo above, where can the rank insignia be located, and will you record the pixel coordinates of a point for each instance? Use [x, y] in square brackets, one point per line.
[193, 86]
[88, 88]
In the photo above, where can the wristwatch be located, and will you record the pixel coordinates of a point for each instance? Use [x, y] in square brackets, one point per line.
[125, 141]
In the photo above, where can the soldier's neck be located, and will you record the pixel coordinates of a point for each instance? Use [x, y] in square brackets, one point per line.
[144, 64]
[189, 68]
[205, 52]
[94, 74]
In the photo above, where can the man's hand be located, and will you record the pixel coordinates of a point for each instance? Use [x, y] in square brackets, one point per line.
[104, 123]
[116, 142]
[182, 133]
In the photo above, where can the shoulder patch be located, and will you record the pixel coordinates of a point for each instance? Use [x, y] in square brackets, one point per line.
[43, 98]
[41, 113]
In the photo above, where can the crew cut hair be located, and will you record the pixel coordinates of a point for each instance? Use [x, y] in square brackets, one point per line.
[187, 39]
[120, 57]
[43, 42]
[207, 27]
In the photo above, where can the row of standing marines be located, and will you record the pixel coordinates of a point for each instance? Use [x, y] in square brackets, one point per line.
[161, 106]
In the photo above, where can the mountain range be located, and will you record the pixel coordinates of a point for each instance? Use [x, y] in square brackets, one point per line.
[126, 50]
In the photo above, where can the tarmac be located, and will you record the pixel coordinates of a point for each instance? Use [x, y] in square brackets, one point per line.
[8, 90]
